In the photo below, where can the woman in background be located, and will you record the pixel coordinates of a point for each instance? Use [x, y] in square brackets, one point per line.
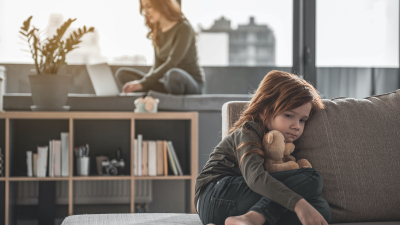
[176, 69]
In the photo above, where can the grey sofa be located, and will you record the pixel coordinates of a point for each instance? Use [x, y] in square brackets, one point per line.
[353, 143]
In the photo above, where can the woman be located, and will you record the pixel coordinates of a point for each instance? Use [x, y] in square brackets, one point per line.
[176, 69]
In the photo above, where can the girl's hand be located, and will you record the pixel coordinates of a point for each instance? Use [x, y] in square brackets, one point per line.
[307, 214]
[132, 86]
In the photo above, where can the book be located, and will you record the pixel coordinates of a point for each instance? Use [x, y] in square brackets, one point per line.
[165, 158]
[139, 162]
[171, 160]
[145, 158]
[65, 154]
[152, 158]
[42, 161]
[29, 163]
[135, 157]
[178, 165]
[160, 158]
[56, 158]
[34, 164]
[51, 159]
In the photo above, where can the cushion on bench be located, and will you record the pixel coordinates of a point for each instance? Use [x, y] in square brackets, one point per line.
[203, 102]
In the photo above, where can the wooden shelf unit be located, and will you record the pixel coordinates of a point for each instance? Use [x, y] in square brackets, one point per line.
[71, 117]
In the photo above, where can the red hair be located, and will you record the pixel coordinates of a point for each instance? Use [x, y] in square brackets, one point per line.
[278, 92]
[170, 9]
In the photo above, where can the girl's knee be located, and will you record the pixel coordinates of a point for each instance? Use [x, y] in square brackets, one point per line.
[316, 181]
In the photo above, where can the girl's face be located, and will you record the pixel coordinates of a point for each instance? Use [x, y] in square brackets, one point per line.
[151, 14]
[291, 123]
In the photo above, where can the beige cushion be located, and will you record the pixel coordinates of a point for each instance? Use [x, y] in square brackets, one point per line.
[355, 144]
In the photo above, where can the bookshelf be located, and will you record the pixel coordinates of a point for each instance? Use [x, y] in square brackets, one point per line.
[19, 131]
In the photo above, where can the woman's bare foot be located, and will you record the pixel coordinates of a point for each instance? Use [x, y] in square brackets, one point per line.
[250, 218]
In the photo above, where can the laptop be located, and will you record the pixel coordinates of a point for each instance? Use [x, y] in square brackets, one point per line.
[103, 80]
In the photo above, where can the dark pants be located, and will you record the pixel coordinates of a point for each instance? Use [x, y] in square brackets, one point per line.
[230, 196]
[175, 81]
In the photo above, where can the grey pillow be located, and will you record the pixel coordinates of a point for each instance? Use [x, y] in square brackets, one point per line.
[355, 145]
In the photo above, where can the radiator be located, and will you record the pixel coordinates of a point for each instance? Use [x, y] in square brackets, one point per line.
[89, 192]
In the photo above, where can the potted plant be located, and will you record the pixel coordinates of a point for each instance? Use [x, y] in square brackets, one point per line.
[49, 89]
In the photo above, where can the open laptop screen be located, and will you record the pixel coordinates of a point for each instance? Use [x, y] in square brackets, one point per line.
[102, 79]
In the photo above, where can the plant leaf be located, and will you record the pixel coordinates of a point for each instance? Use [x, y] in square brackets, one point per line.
[26, 24]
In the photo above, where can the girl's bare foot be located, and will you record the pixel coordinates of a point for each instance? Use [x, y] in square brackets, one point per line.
[250, 218]
[237, 220]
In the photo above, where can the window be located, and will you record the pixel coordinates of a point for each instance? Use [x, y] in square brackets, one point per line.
[120, 36]
[357, 33]
[230, 30]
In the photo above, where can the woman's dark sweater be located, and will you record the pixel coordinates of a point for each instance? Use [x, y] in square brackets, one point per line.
[223, 162]
[177, 49]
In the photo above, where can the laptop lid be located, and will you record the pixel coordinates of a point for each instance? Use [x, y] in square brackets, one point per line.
[102, 79]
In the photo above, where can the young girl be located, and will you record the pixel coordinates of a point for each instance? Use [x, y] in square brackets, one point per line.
[234, 188]
[176, 69]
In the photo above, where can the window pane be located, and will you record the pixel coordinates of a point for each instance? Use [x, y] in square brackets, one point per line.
[237, 32]
[357, 33]
[120, 36]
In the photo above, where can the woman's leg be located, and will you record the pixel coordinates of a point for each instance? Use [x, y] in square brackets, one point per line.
[231, 196]
[179, 82]
[126, 74]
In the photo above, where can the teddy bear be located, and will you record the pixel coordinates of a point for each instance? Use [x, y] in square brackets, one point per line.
[277, 154]
[147, 104]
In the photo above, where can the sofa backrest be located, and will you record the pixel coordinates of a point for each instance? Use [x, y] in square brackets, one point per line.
[355, 145]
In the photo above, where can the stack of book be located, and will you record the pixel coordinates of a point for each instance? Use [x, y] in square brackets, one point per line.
[151, 158]
[51, 160]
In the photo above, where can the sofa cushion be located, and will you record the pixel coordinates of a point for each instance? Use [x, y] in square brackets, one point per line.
[355, 145]
[203, 102]
[133, 218]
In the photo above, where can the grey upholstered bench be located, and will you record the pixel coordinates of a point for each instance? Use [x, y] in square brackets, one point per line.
[133, 218]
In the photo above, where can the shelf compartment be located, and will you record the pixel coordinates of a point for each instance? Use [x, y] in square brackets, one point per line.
[102, 178]
[42, 201]
[2, 201]
[38, 178]
[26, 134]
[101, 196]
[163, 177]
[3, 147]
[177, 131]
[104, 137]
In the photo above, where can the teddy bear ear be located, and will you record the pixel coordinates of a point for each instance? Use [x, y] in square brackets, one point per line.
[270, 138]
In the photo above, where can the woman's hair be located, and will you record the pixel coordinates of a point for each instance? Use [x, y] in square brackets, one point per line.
[278, 92]
[170, 9]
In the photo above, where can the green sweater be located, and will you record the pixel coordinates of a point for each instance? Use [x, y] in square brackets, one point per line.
[223, 162]
[177, 49]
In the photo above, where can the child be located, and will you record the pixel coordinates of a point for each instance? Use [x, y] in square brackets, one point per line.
[234, 188]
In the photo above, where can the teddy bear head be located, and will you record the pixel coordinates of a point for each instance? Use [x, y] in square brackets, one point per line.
[275, 146]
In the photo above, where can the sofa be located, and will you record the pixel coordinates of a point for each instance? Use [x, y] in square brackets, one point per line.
[353, 143]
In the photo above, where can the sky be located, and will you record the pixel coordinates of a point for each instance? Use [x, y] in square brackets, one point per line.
[360, 33]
